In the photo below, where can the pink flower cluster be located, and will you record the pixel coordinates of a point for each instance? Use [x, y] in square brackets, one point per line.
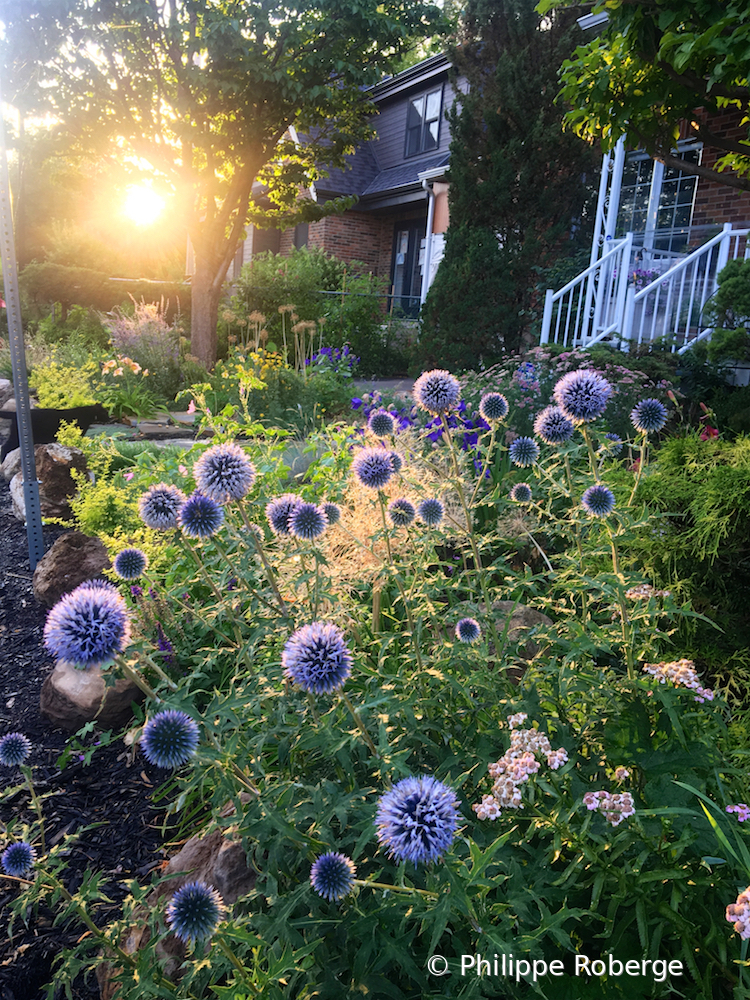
[739, 914]
[615, 808]
[742, 810]
[683, 674]
[515, 768]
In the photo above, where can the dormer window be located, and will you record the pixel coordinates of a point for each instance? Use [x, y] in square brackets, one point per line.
[423, 122]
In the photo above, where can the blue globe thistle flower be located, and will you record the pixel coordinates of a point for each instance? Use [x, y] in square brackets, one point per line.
[417, 819]
[200, 516]
[160, 505]
[278, 512]
[18, 858]
[14, 749]
[524, 451]
[308, 521]
[552, 426]
[401, 512]
[130, 564]
[170, 738]
[224, 473]
[381, 423]
[431, 512]
[521, 493]
[373, 467]
[332, 875]
[649, 416]
[582, 395]
[317, 658]
[613, 443]
[397, 461]
[598, 500]
[493, 406]
[332, 511]
[468, 630]
[88, 627]
[194, 912]
[437, 391]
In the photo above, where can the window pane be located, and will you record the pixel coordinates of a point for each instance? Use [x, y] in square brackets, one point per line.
[412, 141]
[431, 135]
[416, 110]
[433, 105]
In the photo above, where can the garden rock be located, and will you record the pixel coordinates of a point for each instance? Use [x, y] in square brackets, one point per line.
[214, 859]
[70, 698]
[54, 463]
[11, 464]
[6, 391]
[73, 558]
[522, 620]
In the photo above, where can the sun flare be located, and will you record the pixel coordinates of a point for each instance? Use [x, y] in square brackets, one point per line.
[142, 205]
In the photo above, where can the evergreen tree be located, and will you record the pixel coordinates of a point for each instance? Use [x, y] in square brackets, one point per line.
[519, 184]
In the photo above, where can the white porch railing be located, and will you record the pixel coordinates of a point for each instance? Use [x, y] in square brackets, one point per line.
[600, 303]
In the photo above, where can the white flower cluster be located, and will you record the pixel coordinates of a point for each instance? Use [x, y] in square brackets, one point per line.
[643, 591]
[614, 808]
[739, 914]
[621, 773]
[515, 768]
[682, 673]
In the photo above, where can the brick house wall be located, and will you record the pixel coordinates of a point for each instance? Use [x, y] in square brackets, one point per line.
[716, 203]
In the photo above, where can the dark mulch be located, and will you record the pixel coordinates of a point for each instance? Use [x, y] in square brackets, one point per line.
[113, 791]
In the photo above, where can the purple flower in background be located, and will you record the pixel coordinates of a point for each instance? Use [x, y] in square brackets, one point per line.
[317, 658]
[332, 511]
[493, 406]
[431, 512]
[332, 875]
[88, 627]
[524, 451]
[521, 493]
[381, 423]
[224, 473]
[307, 521]
[468, 630]
[160, 505]
[417, 819]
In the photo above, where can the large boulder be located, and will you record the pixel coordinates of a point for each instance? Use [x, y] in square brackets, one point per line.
[522, 621]
[11, 464]
[73, 558]
[54, 463]
[6, 393]
[70, 698]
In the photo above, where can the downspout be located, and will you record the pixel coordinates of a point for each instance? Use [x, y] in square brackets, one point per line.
[428, 241]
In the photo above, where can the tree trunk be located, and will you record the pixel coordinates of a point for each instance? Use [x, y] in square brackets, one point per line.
[204, 312]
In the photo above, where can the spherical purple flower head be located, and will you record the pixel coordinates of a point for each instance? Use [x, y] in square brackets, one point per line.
[613, 443]
[130, 564]
[14, 749]
[224, 473]
[468, 630]
[521, 493]
[194, 912]
[160, 505]
[417, 819]
[170, 738]
[431, 512]
[307, 521]
[332, 511]
[599, 501]
[523, 452]
[401, 512]
[317, 658]
[200, 516]
[381, 423]
[373, 467]
[18, 859]
[332, 875]
[88, 627]
[552, 426]
[648, 416]
[279, 510]
[582, 395]
[437, 391]
[493, 406]
[397, 461]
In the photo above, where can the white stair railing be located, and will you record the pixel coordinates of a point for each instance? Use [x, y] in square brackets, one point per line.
[591, 306]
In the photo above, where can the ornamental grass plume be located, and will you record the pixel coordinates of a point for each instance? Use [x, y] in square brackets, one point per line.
[582, 395]
[14, 749]
[317, 659]
[417, 819]
[88, 627]
[332, 876]
[437, 391]
[160, 505]
[194, 912]
[200, 516]
[170, 738]
[17, 859]
[224, 473]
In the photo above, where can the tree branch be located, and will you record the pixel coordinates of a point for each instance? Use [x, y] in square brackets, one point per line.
[692, 81]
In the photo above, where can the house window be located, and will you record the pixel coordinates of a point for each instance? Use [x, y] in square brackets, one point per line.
[423, 122]
[656, 202]
[406, 276]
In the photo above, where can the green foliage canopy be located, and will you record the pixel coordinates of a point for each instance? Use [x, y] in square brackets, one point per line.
[655, 65]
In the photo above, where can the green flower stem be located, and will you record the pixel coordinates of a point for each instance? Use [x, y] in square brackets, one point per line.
[159, 672]
[301, 553]
[627, 636]
[151, 583]
[26, 771]
[251, 590]
[592, 454]
[577, 531]
[485, 465]
[367, 883]
[238, 966]
[360, 725]
[219, 596]
[641, 463]
[266, 565]
[470, 534]
[137, 678]
[202, 569]
[237, 771]
[399, 584]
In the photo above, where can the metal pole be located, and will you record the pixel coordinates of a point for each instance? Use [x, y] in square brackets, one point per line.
[18, 360]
